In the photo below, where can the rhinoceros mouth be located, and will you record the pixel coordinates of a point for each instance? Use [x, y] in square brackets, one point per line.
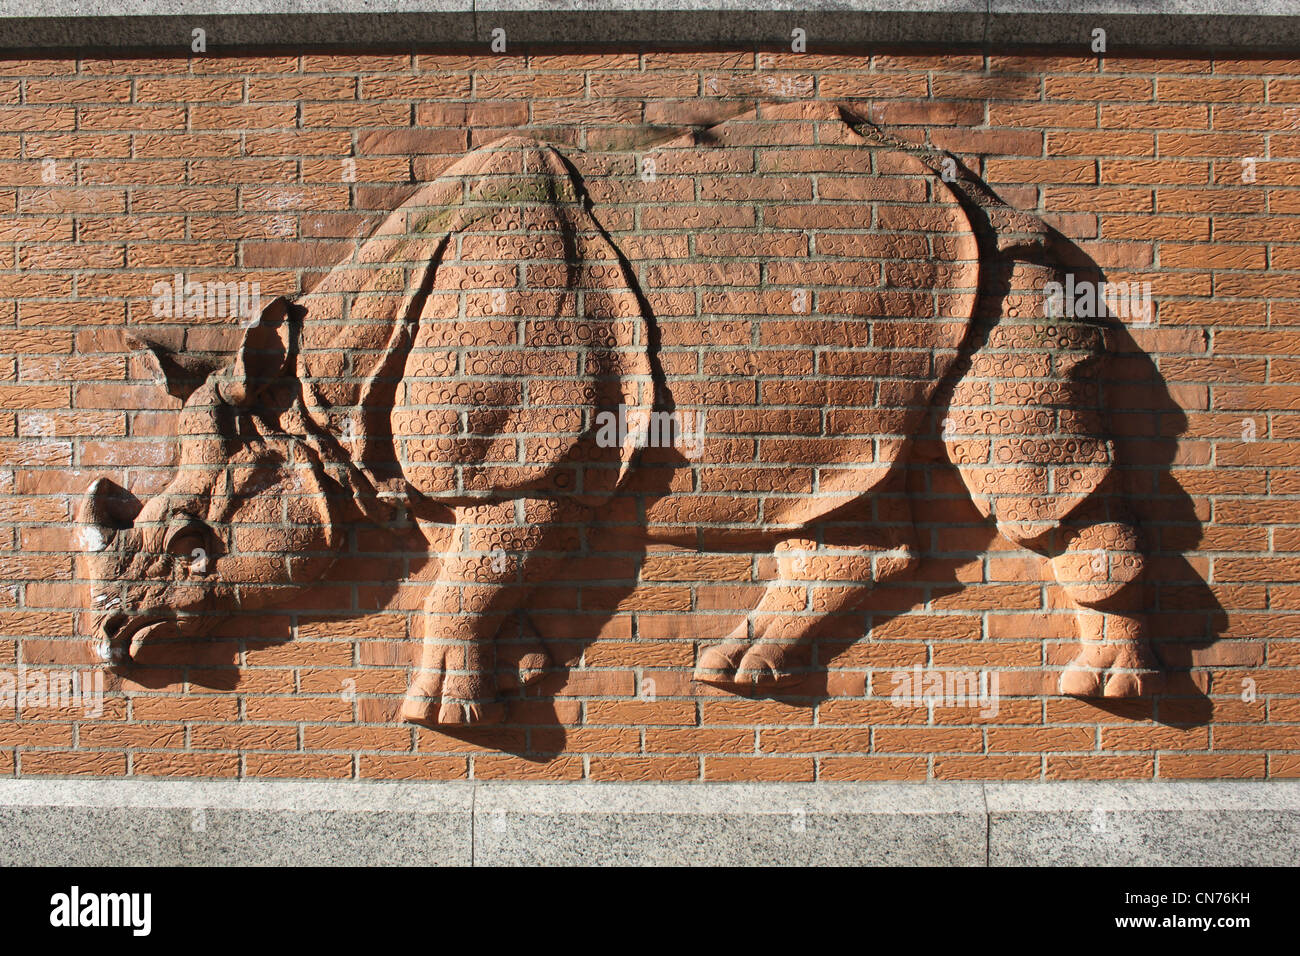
[121, 636]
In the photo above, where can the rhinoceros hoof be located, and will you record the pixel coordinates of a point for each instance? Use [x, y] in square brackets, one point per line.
[464, 712]
[760, 666]
[435, 700]
[449, 712]
[1121, 669]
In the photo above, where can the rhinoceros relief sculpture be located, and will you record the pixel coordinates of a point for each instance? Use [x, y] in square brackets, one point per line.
[740, 349]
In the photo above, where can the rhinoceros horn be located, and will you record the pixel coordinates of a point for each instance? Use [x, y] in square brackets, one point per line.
[106, 509]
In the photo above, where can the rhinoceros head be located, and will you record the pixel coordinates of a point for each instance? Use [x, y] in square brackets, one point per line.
[245, 518]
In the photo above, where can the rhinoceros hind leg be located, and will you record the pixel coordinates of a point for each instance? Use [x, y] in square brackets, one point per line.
[1100, 571]
[766, 650]
[1093, 547]
[1111, 669]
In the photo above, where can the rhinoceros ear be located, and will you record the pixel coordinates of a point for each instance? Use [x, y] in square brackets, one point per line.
[181, 372]
[262, 357]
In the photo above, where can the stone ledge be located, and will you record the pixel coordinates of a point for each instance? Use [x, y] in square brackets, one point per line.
[116, 822]
[119, 8]
[214, 823]
[730, 824]
[94, 25]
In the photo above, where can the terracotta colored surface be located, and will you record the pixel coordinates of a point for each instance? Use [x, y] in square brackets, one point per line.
[906, 467]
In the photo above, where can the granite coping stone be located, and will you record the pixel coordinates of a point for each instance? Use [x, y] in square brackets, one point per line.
[96, 25]
[103, 822]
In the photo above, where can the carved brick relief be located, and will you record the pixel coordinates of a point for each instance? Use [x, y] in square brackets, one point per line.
[545, 362]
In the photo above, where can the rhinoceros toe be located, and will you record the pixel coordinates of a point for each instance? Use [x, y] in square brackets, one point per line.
[1115, 670]
[1134, 684]
[460, 713]
[766, 666]
[718, 664]
[451, 712]
[761, 666]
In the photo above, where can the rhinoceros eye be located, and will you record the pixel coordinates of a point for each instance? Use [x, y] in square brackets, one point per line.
[186, 537]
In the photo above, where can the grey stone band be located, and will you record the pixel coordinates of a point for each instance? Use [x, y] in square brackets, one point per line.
[100, 822]
[1230, 25]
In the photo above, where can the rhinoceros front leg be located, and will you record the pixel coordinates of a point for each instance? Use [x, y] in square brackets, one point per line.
[476, 641]
[773, 646]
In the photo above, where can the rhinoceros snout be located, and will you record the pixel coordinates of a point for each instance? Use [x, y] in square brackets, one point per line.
[110, 644]
[106, 510]
[119, 637]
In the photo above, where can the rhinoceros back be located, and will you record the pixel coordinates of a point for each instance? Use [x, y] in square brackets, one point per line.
[805, 305]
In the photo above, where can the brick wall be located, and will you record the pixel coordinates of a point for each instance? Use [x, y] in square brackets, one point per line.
[1181, 172]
